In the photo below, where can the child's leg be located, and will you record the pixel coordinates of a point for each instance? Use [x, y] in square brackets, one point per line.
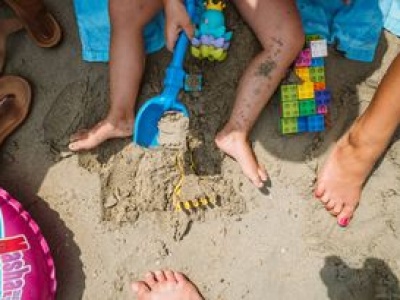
[277, 26]
[127, 58]
[340, 181]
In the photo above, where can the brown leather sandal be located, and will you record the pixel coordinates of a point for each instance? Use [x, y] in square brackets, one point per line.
[40, 24]
[7, 26]
[15, 99]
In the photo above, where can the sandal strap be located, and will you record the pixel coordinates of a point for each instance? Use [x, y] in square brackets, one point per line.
[34, 16]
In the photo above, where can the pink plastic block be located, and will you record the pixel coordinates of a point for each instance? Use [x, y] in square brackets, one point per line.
[304, 58]
[322, 109]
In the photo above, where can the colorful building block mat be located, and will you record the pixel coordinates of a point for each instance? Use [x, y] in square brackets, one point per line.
[304, 106]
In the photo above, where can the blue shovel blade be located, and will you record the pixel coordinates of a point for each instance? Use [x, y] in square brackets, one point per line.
[146, 123]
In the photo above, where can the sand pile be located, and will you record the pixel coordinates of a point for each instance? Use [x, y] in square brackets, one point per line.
[136, 181]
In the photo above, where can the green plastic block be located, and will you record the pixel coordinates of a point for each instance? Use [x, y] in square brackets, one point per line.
[317, 74]
[313, 37]
[318, 78]
[290, 109]
[289, 125]
[289, 92]
[317, 70]
[307, 107]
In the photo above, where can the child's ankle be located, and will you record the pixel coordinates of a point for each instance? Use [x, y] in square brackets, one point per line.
[120, 119]
[368, 145]
[234, 128]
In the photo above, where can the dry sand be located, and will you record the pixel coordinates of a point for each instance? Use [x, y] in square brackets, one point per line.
[109, 215]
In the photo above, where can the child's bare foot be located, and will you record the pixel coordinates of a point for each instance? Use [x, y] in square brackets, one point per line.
[166, 285]
[340, 182]
[102, 131]
[236, 145]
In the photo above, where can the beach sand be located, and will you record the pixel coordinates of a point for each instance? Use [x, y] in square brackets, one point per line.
[109, 215]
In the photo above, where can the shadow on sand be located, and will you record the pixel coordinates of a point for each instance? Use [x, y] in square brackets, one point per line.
[374, 281]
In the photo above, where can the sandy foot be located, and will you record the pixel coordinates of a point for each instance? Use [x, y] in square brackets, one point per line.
[166, 285]
[340, 182]
[235, 144]
[102, 131]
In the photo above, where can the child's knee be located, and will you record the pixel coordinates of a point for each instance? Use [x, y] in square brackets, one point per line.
[290, 41]
[296, 40]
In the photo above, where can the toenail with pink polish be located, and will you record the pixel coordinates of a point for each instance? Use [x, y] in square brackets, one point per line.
[344, 222]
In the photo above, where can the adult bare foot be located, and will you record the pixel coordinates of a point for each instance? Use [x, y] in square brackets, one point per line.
[236, 145]
[104, 130]
[341, 180]
[166, 285]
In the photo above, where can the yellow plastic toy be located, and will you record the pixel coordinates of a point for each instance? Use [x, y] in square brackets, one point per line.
[187, 205]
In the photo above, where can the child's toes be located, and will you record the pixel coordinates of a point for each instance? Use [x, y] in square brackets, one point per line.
[140, 288]
[325, 198]
[319, 190]
[337, 209]
[169, 275]
[262, 173]
[160, 276]
[330, 204]
[255, 179]
[345, 215]
[150, 279]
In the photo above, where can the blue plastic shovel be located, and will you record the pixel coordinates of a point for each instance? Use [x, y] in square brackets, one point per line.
[146, 124]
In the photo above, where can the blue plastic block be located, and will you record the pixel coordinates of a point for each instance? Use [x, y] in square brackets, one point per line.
[302, 124]
[315, 123]
[322, 97]
[317, 62]
[320, 101]
[193, 83]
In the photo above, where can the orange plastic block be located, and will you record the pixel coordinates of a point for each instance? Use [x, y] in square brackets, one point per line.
[319, 86]
[306, 90]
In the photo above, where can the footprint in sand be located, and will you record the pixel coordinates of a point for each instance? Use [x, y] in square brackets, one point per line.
[79, 105]
[65, 114]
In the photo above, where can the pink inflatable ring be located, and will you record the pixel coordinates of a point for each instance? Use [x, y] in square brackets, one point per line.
[26, 267]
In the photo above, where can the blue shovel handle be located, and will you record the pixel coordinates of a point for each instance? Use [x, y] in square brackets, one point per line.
[175, 75]
[183, 41]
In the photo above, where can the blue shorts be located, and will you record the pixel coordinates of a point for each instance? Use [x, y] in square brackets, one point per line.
[94, 30]
[354, 28]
